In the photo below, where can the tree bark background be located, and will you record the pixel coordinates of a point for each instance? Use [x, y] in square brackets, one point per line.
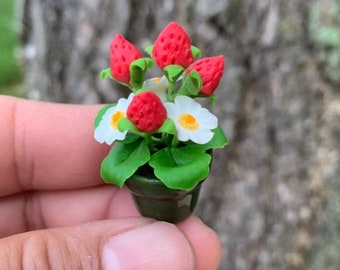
[273, 194]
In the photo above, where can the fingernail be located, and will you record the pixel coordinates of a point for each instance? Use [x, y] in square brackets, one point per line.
[158, 245]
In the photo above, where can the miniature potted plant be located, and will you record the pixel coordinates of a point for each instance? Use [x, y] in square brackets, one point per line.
[161, 136]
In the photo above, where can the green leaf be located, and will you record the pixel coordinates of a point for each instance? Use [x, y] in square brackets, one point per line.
[181, 168]
[100, 114]
[219, 140]
[148, 50]
[172, 72]
[196, 52]
[137, 72]
[105, 73]
[192, 84]
[123, 161]
[129, 138]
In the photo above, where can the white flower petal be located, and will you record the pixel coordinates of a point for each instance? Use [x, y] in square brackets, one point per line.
[187, 103]
[202, 137]
[159, 85]
[183, 135]
[124, 103]
[172, 110]
[207, 119]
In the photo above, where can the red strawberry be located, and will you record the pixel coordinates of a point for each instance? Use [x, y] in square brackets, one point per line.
[146, 111]
[211, 70]
[172, 46]
[123, 53]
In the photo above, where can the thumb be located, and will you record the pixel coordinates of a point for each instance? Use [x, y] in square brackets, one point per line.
[131, 243]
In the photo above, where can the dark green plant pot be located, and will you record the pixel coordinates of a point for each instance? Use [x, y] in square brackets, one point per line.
[155, 200]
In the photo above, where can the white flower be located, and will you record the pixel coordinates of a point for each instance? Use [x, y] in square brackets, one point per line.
[159, 85]
[192, 121]
[107, 130]
[156, 84]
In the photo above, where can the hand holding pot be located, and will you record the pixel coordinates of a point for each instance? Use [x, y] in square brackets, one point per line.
[55, 212]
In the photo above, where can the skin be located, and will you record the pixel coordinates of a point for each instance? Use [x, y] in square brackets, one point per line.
[56, 212]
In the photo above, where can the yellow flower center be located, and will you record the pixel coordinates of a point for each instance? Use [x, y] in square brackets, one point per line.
[157, 79]
[188, 121]
[115, 119]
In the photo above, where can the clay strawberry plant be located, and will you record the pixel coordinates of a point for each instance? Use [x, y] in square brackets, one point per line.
[161, 125]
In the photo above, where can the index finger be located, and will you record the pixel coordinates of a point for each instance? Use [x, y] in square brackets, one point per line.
[47, 146]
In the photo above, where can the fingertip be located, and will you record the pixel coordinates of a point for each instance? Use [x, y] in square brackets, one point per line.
[158, 245]
[205, 242]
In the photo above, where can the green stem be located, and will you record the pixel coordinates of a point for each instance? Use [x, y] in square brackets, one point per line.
[149, 142]
[171, 91]
[175, 141]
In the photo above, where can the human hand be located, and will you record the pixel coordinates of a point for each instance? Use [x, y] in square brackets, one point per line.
[56, 213]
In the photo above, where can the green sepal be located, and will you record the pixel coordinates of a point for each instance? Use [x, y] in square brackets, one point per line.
[148, 50]
[212, 99]
[123, 161]
[192, 85]
[219, 140]
[124, 124]
[141, 91]
[181, 168]
[100, 114]
[173, 72]
[106, 73]
[168, 127]
[138, 69]
[196, 52]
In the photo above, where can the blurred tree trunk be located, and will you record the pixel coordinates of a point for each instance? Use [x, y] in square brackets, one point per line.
[272, 196]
